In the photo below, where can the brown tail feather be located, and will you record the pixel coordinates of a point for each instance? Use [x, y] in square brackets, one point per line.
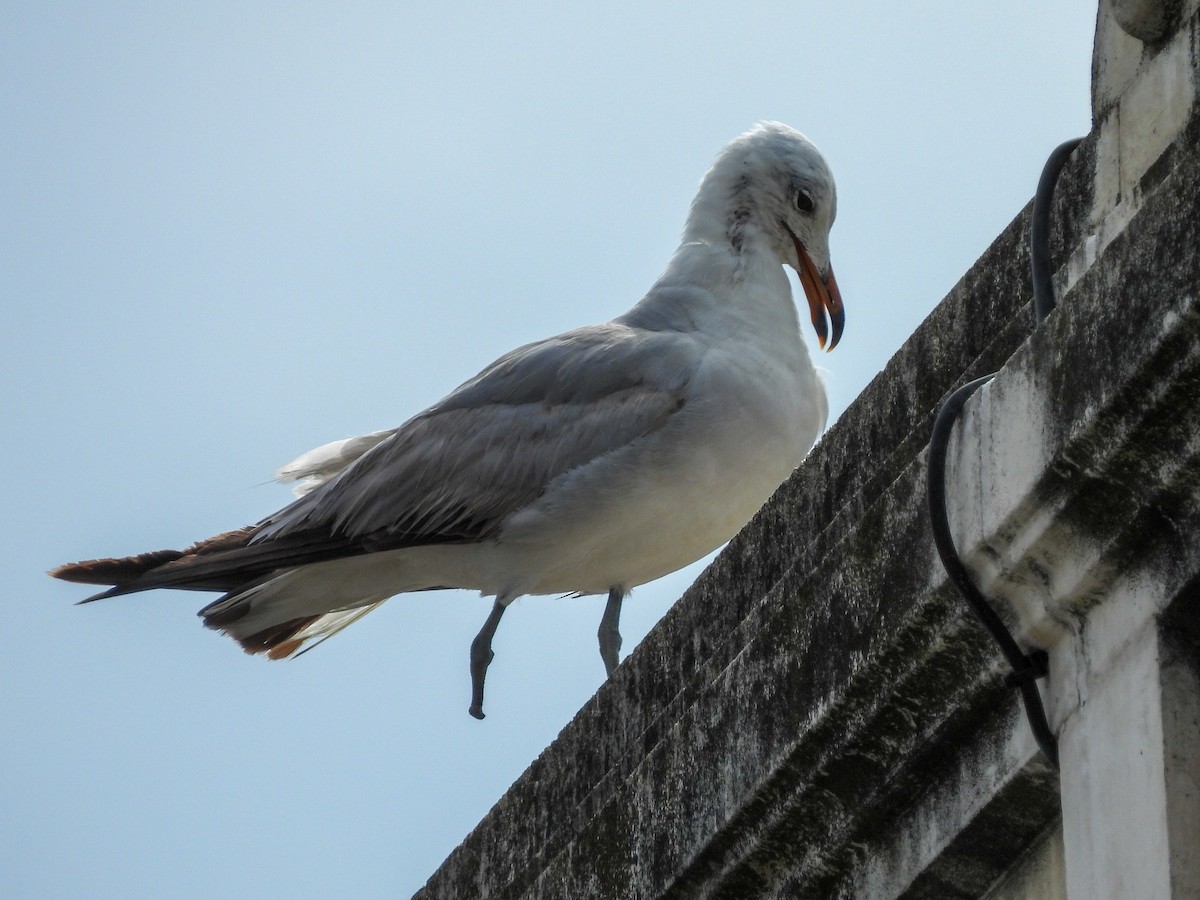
[124, 569]
[278, 640]
[227, 540]
[116, 570]
[223, 554]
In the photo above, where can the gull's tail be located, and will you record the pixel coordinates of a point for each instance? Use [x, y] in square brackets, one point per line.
[265, 607]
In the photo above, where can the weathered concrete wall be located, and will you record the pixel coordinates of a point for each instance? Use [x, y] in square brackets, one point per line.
[1039, 875]
[819, 716]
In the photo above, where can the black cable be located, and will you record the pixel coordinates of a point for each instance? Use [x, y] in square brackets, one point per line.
[1039, 231]
[1027, 667]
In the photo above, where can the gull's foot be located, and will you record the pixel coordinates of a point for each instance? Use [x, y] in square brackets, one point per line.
[481, 657]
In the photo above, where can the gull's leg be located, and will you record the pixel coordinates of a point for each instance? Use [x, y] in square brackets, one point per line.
[481, 657]
[609, 633]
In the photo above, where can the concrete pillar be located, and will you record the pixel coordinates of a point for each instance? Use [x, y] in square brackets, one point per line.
[1130, 756]
[1180, 684]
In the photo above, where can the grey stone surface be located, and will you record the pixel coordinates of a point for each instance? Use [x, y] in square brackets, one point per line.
[818, 716]
[1146, 20]
[1039, 875]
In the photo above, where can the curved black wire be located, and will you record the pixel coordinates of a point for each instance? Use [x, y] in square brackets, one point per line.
[1039, 231]
[1027, 667]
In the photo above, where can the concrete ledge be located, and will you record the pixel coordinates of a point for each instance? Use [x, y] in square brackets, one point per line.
[818, 716]
[1017, 817]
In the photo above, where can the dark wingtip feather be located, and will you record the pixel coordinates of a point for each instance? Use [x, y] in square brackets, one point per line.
[225, 610]
[103, 595]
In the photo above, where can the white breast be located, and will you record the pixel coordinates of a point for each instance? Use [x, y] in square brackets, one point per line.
[670, 498]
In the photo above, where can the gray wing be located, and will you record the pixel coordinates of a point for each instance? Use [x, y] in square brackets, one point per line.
[454, 472]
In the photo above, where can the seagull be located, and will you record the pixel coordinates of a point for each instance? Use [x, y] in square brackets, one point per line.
[587, 463]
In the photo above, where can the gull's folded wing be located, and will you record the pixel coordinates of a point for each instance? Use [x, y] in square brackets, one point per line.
[453, 473]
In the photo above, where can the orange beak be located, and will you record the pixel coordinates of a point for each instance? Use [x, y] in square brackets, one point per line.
[823, 298]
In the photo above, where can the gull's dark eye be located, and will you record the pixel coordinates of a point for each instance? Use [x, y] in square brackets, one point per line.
[804, 201]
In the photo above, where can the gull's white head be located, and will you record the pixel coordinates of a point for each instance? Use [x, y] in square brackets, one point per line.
[773, 181]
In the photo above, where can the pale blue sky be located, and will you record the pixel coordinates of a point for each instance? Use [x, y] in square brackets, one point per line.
[233, 231]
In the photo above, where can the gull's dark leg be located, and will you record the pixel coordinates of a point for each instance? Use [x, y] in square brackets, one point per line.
[610, 633]
[481, 658]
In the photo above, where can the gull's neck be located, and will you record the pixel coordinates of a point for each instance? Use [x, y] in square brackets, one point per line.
[722, 214]
[726, 275]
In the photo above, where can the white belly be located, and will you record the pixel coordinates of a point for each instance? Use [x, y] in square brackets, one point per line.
[672, 497]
